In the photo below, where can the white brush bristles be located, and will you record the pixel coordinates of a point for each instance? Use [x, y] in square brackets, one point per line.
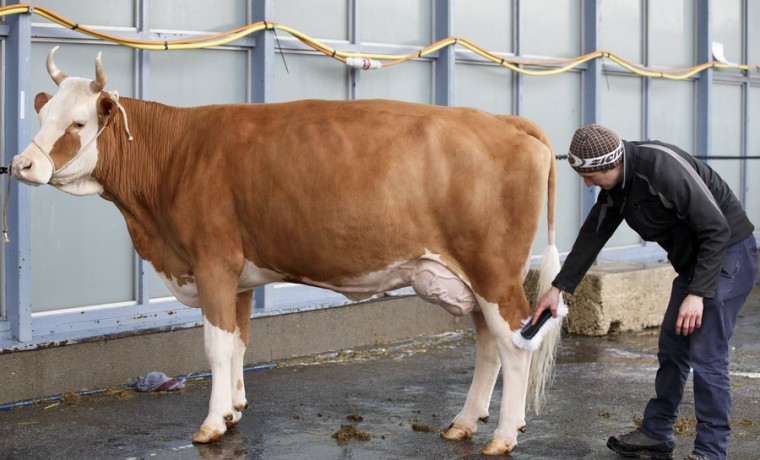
[535, 342]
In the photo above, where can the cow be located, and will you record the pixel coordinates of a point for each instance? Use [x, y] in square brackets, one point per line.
[360, 197]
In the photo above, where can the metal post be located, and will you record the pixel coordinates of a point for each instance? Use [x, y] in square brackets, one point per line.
[354, 27]
[704, 80]
[591, 81]
[262, 56]
[745, 106]
[446, 61]
[646, 116]
[142, 77]
[517, 78]
[142, 57]
[18, 251]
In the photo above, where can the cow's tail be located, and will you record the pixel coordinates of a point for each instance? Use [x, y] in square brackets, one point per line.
[546, 342]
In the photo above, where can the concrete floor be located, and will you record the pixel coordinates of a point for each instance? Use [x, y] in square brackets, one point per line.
[401, 395]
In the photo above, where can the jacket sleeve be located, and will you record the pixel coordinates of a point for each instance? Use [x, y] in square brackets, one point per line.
[681, 187]
[599, 226]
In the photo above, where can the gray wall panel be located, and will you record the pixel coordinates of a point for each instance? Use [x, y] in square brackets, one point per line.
[673, 109]
[671, 33]
[199, 77]
[726, 24]
[727, 132]
[299, 14]
[409, 82]
[309, 77]
[89, 12]
[487, 23]
[403, 22]
[197, 15]
[552, 27]
[620, 28]
[554, 103]
[472, 78]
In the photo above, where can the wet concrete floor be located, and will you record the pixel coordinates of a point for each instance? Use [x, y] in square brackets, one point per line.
[401, 396]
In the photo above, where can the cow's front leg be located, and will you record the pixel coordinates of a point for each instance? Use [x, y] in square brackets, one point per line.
[218, 299]
[240, 342]
[515, 364]
[219, 345]
[487, 365]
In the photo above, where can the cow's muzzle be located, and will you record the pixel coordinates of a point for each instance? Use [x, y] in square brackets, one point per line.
[33, 168]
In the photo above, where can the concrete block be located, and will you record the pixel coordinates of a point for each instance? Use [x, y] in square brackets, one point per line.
[616, 297]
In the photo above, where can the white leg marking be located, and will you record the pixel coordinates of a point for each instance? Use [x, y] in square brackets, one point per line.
[487, 365]
[515, 371]
[220, 347]
[236, 377]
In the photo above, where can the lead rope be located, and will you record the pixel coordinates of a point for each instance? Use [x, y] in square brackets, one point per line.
[6, 171]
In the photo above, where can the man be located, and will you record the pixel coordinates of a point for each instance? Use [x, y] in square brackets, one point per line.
[667, 196]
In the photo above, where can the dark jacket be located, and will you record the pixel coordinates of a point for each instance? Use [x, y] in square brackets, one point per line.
[669, 197]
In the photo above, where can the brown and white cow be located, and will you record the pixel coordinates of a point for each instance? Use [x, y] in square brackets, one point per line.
[356, 196]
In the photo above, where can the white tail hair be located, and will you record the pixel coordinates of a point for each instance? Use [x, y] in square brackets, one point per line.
[546, 342]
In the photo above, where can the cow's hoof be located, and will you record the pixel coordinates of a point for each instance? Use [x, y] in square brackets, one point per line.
[232, 421]
[454, 433]
[498, 447]
[240, 406]
[522, 427]
[207, 435]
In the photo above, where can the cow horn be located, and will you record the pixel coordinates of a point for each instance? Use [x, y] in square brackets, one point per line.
[100, 76]
[53, 70]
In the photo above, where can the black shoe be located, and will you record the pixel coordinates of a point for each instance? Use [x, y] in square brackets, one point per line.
[636, 444]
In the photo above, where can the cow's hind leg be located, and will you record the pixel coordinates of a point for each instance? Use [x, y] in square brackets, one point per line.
[487, 365]
[240, 342]
[216, 287]
[515, 373]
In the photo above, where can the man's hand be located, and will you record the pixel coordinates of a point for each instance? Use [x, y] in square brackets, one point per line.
[549, 300]
[689, 315]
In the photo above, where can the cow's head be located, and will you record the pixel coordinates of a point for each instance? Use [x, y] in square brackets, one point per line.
[64, 152]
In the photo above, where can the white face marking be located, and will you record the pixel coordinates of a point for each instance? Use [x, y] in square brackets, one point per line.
[74, 104]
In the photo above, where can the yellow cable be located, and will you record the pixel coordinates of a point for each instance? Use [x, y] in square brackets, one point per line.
[519, 66]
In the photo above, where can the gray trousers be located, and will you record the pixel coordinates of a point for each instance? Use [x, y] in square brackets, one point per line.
[706, 351]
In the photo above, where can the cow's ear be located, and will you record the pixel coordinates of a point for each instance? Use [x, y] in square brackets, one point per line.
[40, 100]
[106, 106]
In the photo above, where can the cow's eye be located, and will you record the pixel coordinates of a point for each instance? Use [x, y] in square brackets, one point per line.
[79, 124]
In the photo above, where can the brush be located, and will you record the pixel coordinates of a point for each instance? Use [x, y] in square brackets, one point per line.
[530, 330]
[531, 335]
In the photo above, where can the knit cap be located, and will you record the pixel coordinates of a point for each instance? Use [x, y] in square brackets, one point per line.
[595, 148]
